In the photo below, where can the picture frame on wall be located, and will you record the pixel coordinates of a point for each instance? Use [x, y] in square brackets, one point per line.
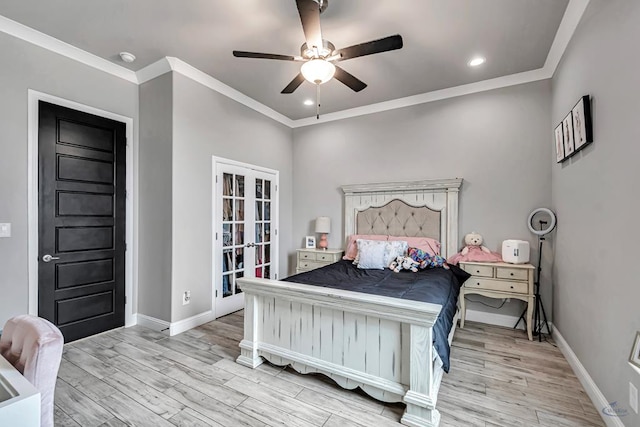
[310, 242]
[559, 143]
[634, 358]
[567, 131]
[582, 128]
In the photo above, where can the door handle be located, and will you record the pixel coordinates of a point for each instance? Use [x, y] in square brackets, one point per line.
[49, 258]
[250, 245]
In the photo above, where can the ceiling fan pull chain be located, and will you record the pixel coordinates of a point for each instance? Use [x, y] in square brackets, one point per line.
[317, 101]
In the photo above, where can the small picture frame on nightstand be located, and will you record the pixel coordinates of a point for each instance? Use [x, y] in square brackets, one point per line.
[310, 242]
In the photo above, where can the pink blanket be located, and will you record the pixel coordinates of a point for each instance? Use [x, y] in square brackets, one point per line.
[475, 254]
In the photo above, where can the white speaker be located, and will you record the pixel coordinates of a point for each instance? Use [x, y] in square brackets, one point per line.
[515, 251]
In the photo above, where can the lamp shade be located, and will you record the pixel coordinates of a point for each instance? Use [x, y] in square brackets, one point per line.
[318, 71]
[323, 224]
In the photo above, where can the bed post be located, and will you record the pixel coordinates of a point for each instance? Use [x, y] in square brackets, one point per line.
[249, 345]
[419, 398]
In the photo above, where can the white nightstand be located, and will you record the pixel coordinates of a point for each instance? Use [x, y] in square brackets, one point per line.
[499, 280]
[310, 259]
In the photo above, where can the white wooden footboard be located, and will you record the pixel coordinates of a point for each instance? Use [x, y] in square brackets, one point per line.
[380, 344]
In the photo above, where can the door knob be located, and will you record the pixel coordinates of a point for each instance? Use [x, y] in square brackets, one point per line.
[49, 258]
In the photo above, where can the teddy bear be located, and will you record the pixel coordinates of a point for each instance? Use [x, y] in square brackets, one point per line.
[474, 251]
[473, 239]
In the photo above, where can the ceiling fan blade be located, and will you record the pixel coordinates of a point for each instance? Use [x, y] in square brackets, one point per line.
[369, 48]
[295, 83]
[309, 11]
[243, 54]
[349, 79]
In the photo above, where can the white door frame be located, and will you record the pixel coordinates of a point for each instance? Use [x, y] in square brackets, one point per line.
[275, 240]
[131, 255]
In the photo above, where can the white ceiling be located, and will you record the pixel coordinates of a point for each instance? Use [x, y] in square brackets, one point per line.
[440, 37]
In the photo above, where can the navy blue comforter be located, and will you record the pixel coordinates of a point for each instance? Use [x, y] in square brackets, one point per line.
[437, 286]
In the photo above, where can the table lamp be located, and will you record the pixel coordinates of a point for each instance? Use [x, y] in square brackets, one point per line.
[323, 226]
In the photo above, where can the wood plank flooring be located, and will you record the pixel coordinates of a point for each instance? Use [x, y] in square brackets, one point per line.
[139, 377]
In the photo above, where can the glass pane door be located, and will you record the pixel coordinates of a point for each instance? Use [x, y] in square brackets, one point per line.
[233, 226]
[244, 224]
[263, 228]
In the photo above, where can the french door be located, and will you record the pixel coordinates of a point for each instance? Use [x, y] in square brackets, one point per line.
[245, 230]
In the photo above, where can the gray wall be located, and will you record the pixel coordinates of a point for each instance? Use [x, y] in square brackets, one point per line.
[29, 67]
[155, 198]
[206, 124]
[496, 141]
[595, 195]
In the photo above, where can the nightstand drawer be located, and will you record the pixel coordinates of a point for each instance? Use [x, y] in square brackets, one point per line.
[309, 265]
[307, 256]
[512, 273]
[497, 285]
[479, 270]
[326, 257]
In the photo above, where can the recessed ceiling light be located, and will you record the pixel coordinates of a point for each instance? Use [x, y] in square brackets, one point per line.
[127, 57]
[308, 102]
[478, 60]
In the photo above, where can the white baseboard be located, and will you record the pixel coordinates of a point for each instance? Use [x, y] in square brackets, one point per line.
[152, 323]
[133, 320]
[599, 400]
[191, 322]
[174, 328]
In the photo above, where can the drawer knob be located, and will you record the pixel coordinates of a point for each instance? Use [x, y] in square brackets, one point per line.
[511, 287]
[511, 274]
[477, 271]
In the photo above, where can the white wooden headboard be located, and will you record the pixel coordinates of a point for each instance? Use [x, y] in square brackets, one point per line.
[432, 210]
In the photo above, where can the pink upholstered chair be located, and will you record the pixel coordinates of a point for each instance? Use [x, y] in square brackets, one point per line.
[34, 346]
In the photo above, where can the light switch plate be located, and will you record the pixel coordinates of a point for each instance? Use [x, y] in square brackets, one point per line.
[5, 229]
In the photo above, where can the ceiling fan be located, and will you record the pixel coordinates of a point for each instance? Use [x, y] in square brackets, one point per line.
[319, 55]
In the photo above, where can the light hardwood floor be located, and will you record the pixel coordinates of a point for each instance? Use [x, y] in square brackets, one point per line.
[136, 376]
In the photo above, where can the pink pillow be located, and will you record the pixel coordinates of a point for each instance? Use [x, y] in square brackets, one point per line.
[427, 244]
[352, 247]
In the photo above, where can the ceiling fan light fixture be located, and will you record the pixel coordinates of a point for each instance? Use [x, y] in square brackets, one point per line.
[318, 71]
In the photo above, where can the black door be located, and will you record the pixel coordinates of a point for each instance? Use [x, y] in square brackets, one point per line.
[81, 277]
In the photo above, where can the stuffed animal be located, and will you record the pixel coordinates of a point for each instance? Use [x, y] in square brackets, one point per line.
[403, 263]
[396, 264]
[426, 260]
[474, 251]
[410, 264]
[473, 239]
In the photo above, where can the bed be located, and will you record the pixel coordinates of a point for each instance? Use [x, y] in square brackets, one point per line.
[379, 343]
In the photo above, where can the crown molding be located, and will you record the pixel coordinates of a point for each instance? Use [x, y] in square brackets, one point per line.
[570, 20]
[206, 80]
[52, 44]
[151, 71]
[423, 98]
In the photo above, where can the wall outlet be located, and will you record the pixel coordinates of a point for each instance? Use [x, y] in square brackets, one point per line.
[633, 397]
[186, 297]
[5, 229]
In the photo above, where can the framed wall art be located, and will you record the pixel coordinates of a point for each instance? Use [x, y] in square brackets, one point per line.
[559, 143]
[581, 117]
[567, 131]
[634, 359]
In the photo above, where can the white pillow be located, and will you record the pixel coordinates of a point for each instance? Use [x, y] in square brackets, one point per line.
[371, 254]
[374, 254]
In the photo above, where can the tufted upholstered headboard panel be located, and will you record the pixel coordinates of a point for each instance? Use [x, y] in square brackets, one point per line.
[397, 218]
[420, 208]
